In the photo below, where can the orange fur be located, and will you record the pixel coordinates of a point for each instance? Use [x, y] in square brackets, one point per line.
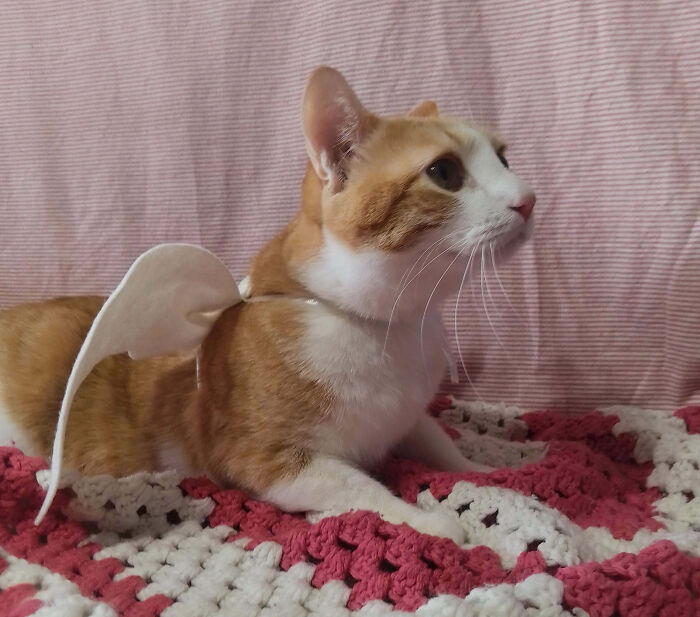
[246, 423]
[110, 428]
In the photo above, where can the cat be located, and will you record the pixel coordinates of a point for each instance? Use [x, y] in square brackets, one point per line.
[331, 363]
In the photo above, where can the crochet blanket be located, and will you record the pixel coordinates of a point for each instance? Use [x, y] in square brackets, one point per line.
[595, 514]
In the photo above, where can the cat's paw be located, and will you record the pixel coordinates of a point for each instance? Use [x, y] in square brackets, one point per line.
[480, 467]
[442, 524]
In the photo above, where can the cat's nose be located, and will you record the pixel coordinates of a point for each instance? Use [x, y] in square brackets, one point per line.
[525, 206]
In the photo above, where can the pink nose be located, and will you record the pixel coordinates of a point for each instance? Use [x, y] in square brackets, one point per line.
[525, 206]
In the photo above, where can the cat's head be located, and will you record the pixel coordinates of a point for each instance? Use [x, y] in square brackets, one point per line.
[385, 191]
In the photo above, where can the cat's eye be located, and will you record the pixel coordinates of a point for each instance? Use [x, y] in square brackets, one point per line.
[447, 172]
[502, 158]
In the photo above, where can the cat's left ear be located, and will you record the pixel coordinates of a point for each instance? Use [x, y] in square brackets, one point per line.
[334, 122]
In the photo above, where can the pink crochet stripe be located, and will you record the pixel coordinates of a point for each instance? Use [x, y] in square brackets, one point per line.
[691, 417]
[660, 581]
[377, 559]
[592, 489]
[593, 429]
[18, 601]
[56, 543]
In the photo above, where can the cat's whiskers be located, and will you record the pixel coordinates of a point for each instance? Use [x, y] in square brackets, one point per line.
[430, 297]
[483, 300]
[434, 245]
[467, 269]
[498, 279]
[486, 283]
[430, 248]
[493, 301]
[528, 324]
[406, 286]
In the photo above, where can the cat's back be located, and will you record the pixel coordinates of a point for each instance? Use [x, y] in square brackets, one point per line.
[43, 337]
[38, 344]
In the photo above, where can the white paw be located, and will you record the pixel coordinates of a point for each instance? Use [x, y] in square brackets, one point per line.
[438, 523]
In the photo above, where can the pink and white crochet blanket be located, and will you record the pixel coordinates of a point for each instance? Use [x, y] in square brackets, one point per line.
[595, 514]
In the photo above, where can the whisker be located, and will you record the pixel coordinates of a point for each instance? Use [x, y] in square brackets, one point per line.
[467, 268]
[526, 319]
[405, 287]
[404, 276]
[488, 288]
[431, 248]
[483, 300]
[427, 304]
[451, 364]
[498, 279]
[407, 271]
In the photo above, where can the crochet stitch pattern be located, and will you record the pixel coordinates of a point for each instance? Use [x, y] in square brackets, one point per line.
[591, 514]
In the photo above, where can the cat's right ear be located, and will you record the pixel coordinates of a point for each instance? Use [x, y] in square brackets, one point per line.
[334, 123]
[424, 109]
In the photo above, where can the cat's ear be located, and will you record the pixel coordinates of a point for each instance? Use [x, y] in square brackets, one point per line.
[424, 109]
[334, 122]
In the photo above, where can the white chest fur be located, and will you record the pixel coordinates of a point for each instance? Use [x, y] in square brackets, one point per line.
[378, 393]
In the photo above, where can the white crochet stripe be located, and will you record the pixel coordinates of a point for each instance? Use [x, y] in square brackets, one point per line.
[234, 581]
[539, 595]
[664, 440]
[486, 432]
[660, 436]
[250, 584]
[522, 519]
[59, 596]
[138, 504]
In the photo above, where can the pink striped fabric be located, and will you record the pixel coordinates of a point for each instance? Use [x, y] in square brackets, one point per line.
[127, 124]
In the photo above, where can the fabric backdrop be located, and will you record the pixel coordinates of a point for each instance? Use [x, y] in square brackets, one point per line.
[127, 124]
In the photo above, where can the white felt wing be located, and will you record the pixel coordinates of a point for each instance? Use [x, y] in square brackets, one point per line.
[168, 301]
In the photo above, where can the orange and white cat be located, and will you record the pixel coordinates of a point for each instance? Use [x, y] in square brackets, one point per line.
[330, 364]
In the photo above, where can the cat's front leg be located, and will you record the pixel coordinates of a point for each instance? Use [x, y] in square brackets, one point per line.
[428, 443]
[330, 484]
